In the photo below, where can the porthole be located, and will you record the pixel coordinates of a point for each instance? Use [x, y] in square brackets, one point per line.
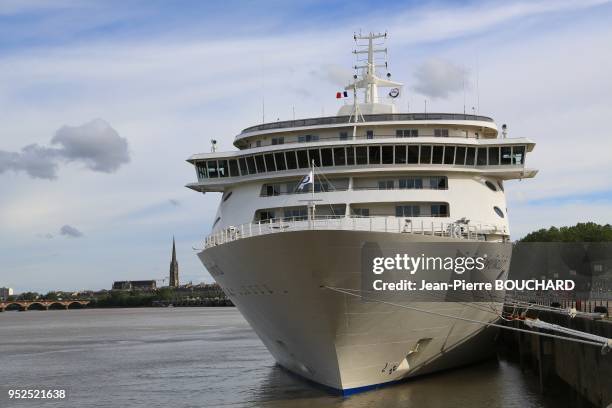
[491, 185]
[498, 212]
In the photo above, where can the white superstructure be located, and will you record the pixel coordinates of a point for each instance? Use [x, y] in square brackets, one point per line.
[380, 176]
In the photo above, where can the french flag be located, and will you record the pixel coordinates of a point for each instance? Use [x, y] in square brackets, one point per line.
[343, 94]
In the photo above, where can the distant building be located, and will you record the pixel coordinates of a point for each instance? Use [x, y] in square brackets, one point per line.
[5, 293]
[174, 278]
[135, 285]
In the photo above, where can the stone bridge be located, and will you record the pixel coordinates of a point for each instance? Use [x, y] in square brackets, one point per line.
[23, 305]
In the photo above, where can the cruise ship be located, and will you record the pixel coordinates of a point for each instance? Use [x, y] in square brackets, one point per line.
[301, 198]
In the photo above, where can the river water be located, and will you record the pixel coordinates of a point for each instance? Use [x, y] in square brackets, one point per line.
[206, 357]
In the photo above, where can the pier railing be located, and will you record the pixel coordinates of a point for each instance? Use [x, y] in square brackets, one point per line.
[400, 225]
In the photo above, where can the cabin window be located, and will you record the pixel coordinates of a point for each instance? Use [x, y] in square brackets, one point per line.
[362, 154]
[400, 154]
[493, 156]
[314, 156]
[299, 213]
[264, 215]
[233, 167]
[251, 164]
[385, 184]
[439, 210]
[201, 170]
[413, 154]
[343, 135]
[212, 169]
[407, 211]
[470, 155]
[291, 161]
[308, 138]
[374, 154]
[387, 154]
[350, 156]
[280, 161]
[518, 154]
[243, 166]
[361, 212]
[271, 190]
[481, 156]
[449, 154]
[326, 157]
[259, 161]
[302, 159]
[258, 143]
[437, 155]
[438, 183]
[278, 140]
[407, 133]
[499, 212]
[490, 185]
[425, 155]
[339, 158]
[223, 170]
[270, 162]
[441, 132]
[411, 183]
[460, 155]
[321, 187]
[369, 134]
[506, 155]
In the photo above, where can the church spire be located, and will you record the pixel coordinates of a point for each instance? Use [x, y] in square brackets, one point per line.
[174, 280]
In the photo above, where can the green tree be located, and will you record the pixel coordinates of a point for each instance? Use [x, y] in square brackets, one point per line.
[581, 232]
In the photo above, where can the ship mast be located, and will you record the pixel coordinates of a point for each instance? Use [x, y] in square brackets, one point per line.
[369, 81]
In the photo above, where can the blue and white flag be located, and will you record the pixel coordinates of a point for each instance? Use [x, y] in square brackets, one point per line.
[308, 179]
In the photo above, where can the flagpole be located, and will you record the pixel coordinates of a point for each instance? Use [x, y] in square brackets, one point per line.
[313, 192]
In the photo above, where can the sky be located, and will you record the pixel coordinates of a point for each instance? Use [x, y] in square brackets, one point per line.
[101, 102]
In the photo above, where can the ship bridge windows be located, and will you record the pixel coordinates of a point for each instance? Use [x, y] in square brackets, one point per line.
[400, 154]
[386, 154]
[291, 160]
[361, 154]
[437, 154]
[259, 163]
[374, 154]
[233, 168]
[327, 158]
[302, 159]
[279, 158]
[251, 164]
[269, 158]
[339, 156]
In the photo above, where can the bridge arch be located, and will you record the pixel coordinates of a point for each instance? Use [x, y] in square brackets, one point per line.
[57, 306]
[35, 306]
[75, 305]
[13, 306]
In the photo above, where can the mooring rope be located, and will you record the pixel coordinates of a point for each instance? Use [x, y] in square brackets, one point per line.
[602, 342]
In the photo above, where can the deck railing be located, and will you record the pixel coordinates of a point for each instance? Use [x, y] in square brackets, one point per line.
[399, 225]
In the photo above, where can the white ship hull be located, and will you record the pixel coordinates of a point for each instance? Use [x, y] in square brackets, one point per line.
[279, 282]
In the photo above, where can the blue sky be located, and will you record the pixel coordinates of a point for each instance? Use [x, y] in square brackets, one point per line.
[168, 76]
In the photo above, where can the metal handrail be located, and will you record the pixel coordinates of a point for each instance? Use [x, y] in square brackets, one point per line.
[391, 224]
[334, 120]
